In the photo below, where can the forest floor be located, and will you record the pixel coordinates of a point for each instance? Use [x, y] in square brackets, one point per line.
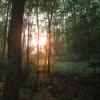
[70, 87]
[68, 81]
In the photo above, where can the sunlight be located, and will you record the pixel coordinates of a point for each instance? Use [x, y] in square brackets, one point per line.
[42, 42]
[33, 32]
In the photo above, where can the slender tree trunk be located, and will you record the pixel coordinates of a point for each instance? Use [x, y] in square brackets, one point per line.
[49, 39]
[37, 66]
[5, 31]
[12, 85]
[28, 41]
[74, 18]
[66, 29]
[28, 45]
[23, 40]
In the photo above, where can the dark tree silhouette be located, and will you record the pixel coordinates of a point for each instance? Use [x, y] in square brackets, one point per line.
[12, 86]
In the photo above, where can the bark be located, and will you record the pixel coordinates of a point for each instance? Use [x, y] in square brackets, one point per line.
[49, 39]
[37, 67]
[5, 31]
[28, 46]
[12, 85]
[23, 40]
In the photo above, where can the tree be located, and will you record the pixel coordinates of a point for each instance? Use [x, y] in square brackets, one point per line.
[12, 85]
[6, 29]
[50, 7]
[38, 47]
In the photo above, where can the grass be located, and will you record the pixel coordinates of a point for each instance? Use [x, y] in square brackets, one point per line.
[73, 67]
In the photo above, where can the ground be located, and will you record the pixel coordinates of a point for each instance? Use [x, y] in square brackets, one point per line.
[68, 81]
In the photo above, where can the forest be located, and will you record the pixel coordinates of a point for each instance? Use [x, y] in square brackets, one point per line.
[49, 49]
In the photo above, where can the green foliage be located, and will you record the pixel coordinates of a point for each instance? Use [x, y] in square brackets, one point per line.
[67, 68]
[49, 6]
[80, 24]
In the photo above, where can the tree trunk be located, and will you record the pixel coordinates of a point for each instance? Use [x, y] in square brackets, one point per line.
[23, 41]
[38, 47]
[5, 31]
[12, 85]
[28, 46]
[49, 39]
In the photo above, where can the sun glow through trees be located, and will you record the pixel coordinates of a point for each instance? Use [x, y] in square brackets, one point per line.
[42, 42]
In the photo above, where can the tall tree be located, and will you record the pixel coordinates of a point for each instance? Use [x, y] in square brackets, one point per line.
[12, 85]
[5, 30]
[50, 7]
[38, 47]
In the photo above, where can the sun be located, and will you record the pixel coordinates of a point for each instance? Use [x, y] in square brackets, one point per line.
[42, 42]
[34, 42]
